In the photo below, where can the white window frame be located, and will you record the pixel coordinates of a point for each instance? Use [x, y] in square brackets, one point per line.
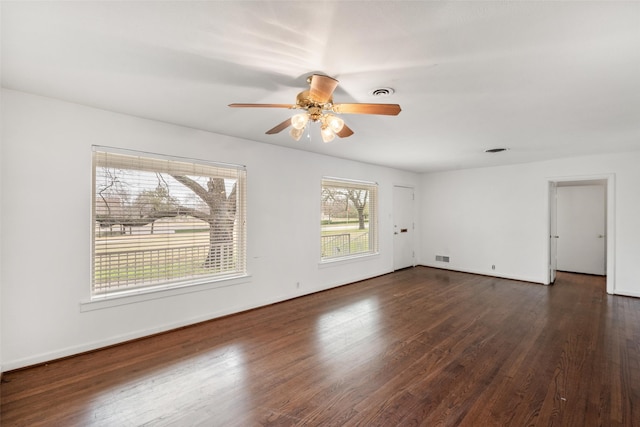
[153, 162]
[330, 256]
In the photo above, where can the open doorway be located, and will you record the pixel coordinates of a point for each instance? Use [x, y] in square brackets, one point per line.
[573, 210]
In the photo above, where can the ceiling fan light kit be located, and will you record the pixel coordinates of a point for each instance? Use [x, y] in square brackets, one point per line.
[318, 106]
[296, 133]
[299, 121]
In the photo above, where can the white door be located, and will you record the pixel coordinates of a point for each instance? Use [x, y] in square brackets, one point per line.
[553, 231]
[403, 255]
[581, 229]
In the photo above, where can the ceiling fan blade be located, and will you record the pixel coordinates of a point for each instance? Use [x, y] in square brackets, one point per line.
[262, 106]
[279, 128]
[345, 132]
[322, 87]
[384, 109]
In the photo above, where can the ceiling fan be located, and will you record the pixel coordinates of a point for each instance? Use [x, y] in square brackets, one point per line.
[318, 106]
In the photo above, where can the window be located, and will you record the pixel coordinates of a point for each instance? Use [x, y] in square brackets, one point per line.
[349, 218]
[161, 222]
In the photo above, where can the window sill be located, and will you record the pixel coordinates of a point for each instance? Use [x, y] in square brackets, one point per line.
[332, 262]
[140, 295]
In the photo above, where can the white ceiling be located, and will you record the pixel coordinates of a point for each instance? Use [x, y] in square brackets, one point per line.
[546, 79]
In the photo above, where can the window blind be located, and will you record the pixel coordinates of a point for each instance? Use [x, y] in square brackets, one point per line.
[160, 222]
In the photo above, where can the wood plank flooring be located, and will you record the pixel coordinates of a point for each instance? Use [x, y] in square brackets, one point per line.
[417, 347]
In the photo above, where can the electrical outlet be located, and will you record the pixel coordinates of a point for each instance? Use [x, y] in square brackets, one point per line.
[493, 267]
[298, 285]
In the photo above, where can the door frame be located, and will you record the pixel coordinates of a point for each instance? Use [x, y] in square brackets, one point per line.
[609, 180]
[553, 231]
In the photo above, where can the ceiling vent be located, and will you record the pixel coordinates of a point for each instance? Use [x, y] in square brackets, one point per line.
[382, 92]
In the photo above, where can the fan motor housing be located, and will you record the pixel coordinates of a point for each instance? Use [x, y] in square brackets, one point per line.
[314, 108]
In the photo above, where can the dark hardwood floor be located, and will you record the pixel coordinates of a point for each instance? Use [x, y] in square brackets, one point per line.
[417, 347]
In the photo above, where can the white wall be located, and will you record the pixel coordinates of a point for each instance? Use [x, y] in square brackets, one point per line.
[46, 189]
[1, 236]
[483, 217]
[499, 216]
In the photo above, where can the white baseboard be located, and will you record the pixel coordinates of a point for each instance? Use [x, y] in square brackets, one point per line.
[490, 274]
[624, 293]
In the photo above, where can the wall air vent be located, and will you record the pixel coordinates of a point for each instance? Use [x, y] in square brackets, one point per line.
[442, 258]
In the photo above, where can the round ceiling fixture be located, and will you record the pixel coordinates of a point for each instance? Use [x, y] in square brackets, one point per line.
[495, 150]
[382, 91]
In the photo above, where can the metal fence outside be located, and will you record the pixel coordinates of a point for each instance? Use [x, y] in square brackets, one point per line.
[335, 245]
[137, 268]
